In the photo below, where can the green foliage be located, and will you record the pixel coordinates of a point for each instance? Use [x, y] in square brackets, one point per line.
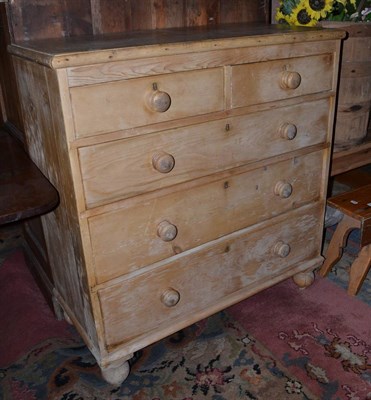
[287, 6]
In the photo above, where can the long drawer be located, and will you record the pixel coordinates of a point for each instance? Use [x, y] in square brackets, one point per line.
[137, 102]
[130, 238]
[281, 79]
[189, 284]
[125, 168]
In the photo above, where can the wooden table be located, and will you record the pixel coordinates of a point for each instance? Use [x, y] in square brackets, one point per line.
[24, 190]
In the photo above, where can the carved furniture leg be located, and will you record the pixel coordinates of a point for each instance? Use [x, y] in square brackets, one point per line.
[116, 374]
[338, 242]
[359, 270]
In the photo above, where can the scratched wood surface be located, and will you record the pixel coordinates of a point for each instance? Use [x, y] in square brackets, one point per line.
[356, 203]
[127, 239]
[122, 169]
[246, 261]
[257, 223]
[40, 95]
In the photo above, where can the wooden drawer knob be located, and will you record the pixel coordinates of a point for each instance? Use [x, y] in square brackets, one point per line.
[163, 162]
[288, 131]
[290, 80]
[159, 101]
[282, 249]
[283, 189]
[166, 231]
[170, 297]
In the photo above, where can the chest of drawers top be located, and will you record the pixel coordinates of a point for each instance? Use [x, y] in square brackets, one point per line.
[88, 50]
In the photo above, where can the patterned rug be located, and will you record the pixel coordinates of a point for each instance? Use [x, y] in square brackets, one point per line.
[215, 359]
[320, 335]
[284, 343]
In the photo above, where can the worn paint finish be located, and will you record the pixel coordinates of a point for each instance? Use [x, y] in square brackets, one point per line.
[99, 109]
[244, 260]
[47, 147]
[228, 194]
[117, 170]
[127, 240]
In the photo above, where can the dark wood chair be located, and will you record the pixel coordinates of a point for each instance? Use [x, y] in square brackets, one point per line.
[24, 190]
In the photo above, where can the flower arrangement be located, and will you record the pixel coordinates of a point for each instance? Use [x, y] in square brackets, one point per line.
[310, 12]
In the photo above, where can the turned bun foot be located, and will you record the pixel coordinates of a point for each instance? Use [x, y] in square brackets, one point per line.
[304, 279]
[116, 375]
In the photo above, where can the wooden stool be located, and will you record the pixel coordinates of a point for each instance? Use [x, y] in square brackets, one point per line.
[356, 207]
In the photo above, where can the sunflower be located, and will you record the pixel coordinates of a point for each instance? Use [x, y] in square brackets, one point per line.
[318, 9]
[282, 18]
[338, 8]
[300, 16]
[309, 12]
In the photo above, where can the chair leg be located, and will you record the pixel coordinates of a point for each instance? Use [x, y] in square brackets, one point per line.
[359, 270]
[337, 243]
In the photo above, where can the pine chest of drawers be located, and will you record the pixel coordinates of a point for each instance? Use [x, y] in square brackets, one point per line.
[192, 171]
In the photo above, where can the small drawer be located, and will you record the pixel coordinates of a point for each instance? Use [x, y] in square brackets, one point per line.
[127, 104]
[130, 238]
[179, 289]
[282, 79]
[126, 168]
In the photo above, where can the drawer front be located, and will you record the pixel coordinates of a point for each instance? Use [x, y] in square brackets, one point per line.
[126, 104]
[128, 239]
[125, 168]
[190, 284]
[282, 79]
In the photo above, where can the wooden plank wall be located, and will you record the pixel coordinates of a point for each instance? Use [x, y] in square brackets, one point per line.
[39, 19]
[10, 109]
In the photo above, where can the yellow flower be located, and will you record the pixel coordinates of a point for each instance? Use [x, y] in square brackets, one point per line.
[300, 16]
[318, 8]
[282, 18]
